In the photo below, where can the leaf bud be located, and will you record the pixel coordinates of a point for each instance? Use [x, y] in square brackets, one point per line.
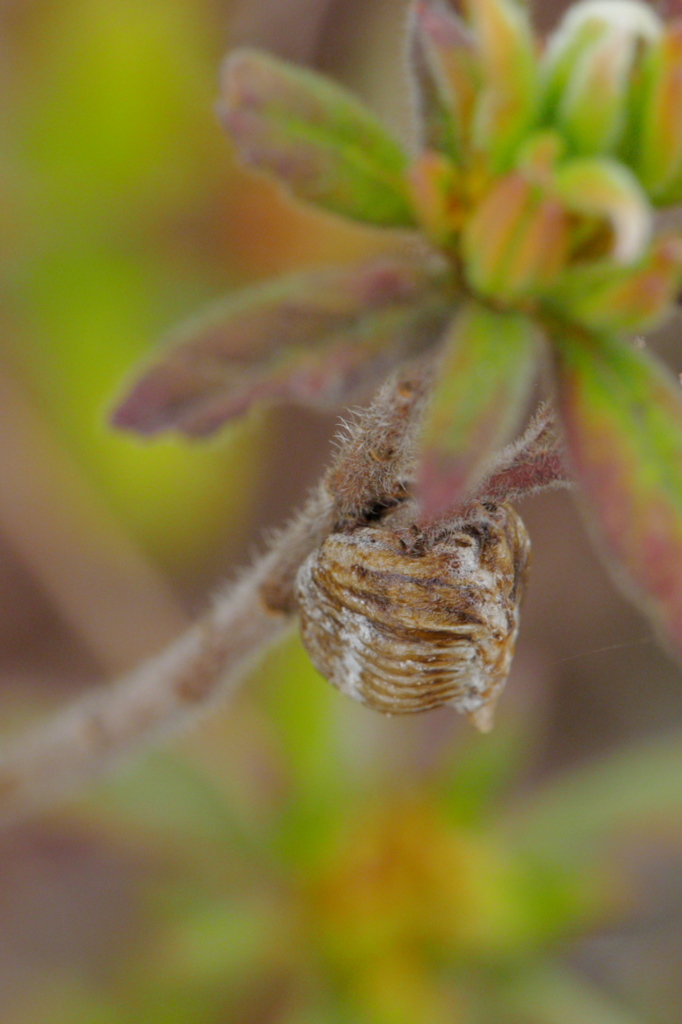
[588, 67]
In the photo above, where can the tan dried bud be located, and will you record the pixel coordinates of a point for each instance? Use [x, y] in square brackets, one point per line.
[406, 621]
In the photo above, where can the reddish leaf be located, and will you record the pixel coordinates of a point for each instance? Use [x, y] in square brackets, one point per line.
[622, 415]
[315, 137]
[316, 338]
[487, 369]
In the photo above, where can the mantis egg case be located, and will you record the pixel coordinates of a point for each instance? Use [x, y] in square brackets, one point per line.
[406, 620]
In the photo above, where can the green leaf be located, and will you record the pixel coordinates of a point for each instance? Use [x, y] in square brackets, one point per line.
[606, 297]
[592, 112]
[656, 133]
[602, 187]
[487, 369]
[602, 296]
[577, 815]
[315, 137]
[558, 60]
[622, 414]
[507, 101]
[319, 339]
[442, 60]
[587, 69]
[594, 53]
[516, 243]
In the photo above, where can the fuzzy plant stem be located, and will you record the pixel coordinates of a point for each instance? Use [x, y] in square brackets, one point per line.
[373, 469]
[98, 730]
[533, 463]
[166, 692]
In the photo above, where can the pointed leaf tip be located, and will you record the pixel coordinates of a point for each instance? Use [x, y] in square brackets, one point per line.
[315, 137]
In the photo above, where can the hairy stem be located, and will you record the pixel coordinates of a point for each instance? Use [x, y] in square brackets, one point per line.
[373, 469]
[533, 463]
[164, 693]
[373, 463]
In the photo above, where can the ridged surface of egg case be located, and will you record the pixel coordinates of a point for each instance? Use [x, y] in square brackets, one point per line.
[405, 622]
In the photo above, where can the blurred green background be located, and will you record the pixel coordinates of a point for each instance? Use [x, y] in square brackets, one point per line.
[296, 859]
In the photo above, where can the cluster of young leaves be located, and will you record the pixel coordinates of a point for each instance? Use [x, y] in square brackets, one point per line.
[541, 168]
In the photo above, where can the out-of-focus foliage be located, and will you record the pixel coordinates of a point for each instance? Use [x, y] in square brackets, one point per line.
[112, 160]
[302, 875]
[299, 861]
[121, 211]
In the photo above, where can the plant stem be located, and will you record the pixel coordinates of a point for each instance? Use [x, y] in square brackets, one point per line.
[169, 690]
[373, 469]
